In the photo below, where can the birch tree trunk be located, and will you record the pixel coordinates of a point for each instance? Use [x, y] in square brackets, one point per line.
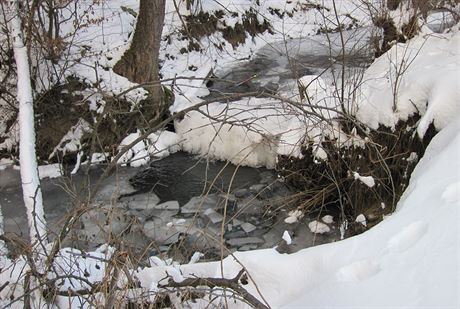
[31, 191]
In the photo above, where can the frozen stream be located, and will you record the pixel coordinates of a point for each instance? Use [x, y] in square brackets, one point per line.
[161, 207]
[276, 66]
[167, 208]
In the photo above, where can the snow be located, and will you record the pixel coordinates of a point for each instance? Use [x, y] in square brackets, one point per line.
[452, 193]
[196, 257]
[367, 180]
[440, 20]
[102, 43]
[293, 216]
[287, 238]
[267, 127]
[253, 131]
[137, 155]
[159, 144]
[429, 85]
[361, 219]
[5, 162]
[315, 87]
[71, 141]
[328, 219]
[317, 227]
[50, 171]
[412, 157]
[391, 265]
[98, 157]
[163, 143]
[357, 271]
[77, 164]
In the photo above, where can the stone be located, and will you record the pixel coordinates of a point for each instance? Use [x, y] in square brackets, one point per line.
[165, 230]
[240, 193]
[230, 197]
[231, 207]
[257, 188]
[213, 216]
[213, 230]
[248, 227]
[101, 222]
[141, 201]
[198, 204]
[237, 242]
[251, 206]
[267, 177]
[235, 234]
[284, 247]
[247, 247]
[163, 248]
[115, 186]
[169, 205]
[137, 215]
[266, 193]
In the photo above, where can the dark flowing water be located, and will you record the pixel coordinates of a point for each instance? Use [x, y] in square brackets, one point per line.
[181, 176]
[276, 65]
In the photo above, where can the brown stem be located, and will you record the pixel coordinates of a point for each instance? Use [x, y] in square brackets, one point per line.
[233, 284]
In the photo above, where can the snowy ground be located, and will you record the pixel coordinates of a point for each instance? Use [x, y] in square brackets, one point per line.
[408, 260]
[396, 263]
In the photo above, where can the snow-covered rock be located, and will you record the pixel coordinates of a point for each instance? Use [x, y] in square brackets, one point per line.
[317, 227]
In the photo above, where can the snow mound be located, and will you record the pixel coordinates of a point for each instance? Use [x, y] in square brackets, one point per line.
[421, 240]
[159, 144]
[425, 72]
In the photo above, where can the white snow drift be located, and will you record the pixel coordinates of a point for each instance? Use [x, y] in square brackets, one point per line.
[408, 260]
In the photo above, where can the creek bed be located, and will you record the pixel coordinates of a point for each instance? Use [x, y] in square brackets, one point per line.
[166, 212]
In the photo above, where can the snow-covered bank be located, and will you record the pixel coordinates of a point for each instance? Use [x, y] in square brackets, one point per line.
[421, 76]
[408, 260]
[418, 77]
[96, 43]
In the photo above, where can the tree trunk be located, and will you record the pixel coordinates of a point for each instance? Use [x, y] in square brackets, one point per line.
[27, 157]
[140, 62]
